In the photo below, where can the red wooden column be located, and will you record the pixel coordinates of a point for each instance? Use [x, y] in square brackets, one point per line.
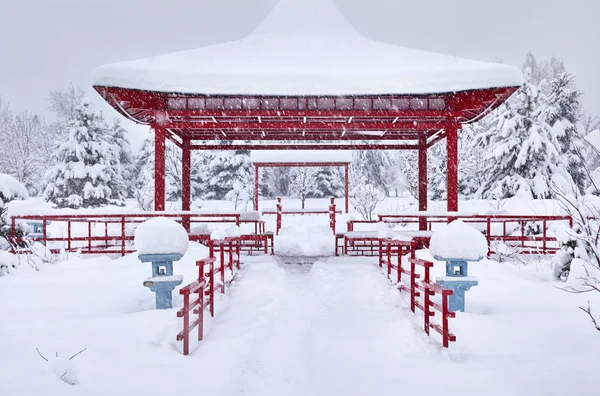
[186, 176]
[347, 181]
[159, 168]
[256, 169]
[422, 180]
[452, 166]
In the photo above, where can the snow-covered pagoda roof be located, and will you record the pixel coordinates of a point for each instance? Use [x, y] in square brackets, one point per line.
[301, 156]
[306, 47]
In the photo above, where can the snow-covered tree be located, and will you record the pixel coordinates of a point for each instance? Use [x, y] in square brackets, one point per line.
[408, 161]
[329, 182]
[240, 195]
[304, 183]
[144, 175]
[225, 169]
[364, 196]
[523, 157]
[123, 165]
[201, 172]
[82, 172]
[562, 114]
[375, 166]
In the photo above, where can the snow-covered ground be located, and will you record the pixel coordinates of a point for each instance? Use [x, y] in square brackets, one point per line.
[334, 328]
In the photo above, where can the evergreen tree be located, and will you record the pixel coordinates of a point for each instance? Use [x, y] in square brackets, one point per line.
[144, 175]
[200, 172]
[123, 162]
[82, 174]
[374, 165]
[562, 114]
[329, 183]
[522, 157]
[225, 169]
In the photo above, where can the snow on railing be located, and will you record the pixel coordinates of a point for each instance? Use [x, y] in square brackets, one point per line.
[279, 211]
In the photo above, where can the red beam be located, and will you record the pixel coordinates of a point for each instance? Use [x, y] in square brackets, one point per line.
[298, 164]
[303, 147]
[344, 114]
[295, 137]
[309, 126]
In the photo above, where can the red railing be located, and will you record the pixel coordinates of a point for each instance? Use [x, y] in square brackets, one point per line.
[227, 250]
[113, 233]
[510, 230]
[419, 285]
[279, 212]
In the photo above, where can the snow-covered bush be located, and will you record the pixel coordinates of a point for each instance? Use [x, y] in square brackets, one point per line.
[10, 189]
[365, 197]
[8, 262]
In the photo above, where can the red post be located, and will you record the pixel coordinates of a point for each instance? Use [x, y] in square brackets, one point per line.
[186, 175]
[159, 169]
[346, 186]
[222, 267]
[256, 174]
[89, 234]
[123, 236]
[422, 160]
[186, 324]
[452, 169]
[279, 214]
[68, 235]
[399, 266]
[445, 315]
[413, 282]
[332, 214]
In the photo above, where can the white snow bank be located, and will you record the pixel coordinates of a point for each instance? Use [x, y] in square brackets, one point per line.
[383, 230]
[458, 240]
[300, 156]
[8, 261]
[161, 236]
[285, 56]
[11, 188]
[228, 232]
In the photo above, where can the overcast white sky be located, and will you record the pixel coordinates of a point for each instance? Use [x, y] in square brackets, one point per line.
[47, 44]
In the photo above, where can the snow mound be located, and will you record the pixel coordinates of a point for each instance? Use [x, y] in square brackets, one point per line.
[251, 215]
[458, 240]
[161, 236]
[229, 232]
[384, 231]
[11, 188]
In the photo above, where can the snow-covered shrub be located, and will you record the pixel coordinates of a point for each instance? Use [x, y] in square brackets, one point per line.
[365, 197]
[10, 189]
[8, 262]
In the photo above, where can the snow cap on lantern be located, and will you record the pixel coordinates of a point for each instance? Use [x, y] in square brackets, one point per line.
[458, 241]
[161, 236]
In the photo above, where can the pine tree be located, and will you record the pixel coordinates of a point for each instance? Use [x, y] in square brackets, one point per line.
[82, 172]
[123, 162]
[144, 175]
[329, 182]
[225, 169]
[562, 114]
[523, 157]
[374, 165]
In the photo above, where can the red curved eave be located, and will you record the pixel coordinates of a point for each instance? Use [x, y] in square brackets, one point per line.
[423, 114]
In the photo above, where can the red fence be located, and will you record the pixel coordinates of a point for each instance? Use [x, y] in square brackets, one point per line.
[527, 234]
[421, 288]
[331, 211]
[228, 251]
[113, 233]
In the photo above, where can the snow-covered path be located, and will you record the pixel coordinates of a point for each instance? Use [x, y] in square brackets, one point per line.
[314, 330]
[334, 328]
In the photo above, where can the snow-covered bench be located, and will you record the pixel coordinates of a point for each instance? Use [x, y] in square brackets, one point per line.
[367, 243]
